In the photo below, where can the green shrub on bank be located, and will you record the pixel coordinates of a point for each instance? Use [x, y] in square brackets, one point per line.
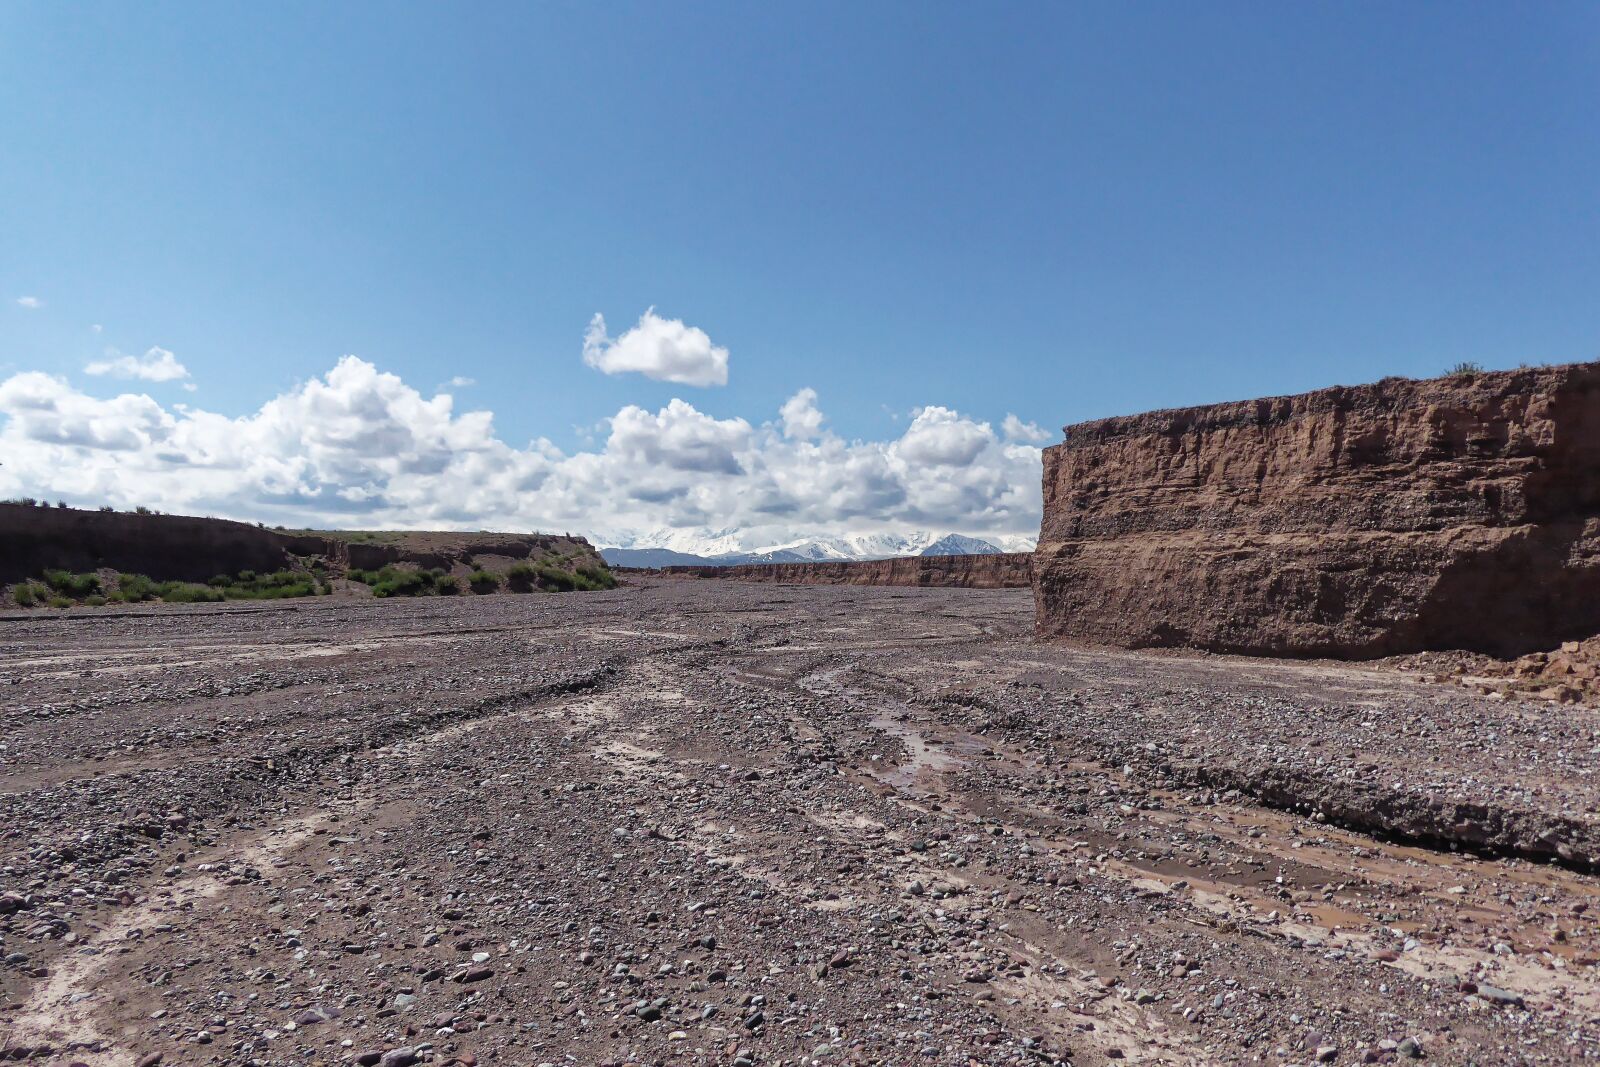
[526, 577]
[190, 593]
[591, 576]
[248, 585]
[62, 588]
[276, 585]
[134, 588]
[403, 583]
[521, 578]
[555, 579]
[518, 578]
[72, 585]
[395, 581]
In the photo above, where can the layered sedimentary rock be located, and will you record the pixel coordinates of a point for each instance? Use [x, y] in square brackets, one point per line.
[1008, 570]
[1460, 512]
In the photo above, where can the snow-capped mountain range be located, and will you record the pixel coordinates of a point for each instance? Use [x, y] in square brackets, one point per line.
[684, 547]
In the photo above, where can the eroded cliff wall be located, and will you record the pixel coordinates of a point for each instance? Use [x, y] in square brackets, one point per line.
[1459, 512]
[1009, 570]
[33, 539]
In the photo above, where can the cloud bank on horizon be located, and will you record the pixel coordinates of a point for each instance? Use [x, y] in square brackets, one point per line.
[361, 447]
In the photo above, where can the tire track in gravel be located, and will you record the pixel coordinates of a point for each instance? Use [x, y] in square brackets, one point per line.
[1106, 1027]
[1119, 1030]
[928, 771]
[63, 1013]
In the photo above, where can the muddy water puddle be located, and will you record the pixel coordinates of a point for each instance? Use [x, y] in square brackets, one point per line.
[925, 756]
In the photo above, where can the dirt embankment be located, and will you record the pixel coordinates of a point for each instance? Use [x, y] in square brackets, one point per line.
[33, 539]
[457, 553]
[1011, 570]
[1456, 513]
[188, 548]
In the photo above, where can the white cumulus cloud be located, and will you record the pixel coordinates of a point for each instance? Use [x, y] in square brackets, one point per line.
[1017, 430]
[663, 349]
[32, 303]
[156, 365]
[940, 437]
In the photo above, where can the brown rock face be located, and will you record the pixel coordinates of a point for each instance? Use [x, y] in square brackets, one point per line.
[1009, 570]
[1460, 512]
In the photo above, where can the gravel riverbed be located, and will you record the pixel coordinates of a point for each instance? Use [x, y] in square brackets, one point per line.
[709, 822]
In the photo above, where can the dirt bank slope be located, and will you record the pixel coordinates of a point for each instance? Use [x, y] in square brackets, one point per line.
[183, 547]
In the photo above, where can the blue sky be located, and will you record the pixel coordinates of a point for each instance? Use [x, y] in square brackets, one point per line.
[1048, 210]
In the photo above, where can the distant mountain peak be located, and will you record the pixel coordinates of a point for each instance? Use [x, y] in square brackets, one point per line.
[958, 545]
